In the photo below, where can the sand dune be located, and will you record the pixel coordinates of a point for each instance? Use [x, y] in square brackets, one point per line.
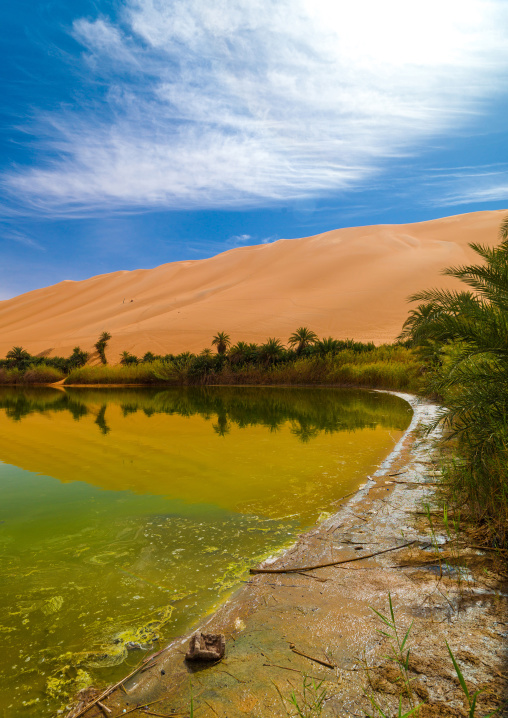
[346, 283]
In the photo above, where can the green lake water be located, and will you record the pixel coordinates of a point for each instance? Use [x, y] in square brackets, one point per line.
[127, 515]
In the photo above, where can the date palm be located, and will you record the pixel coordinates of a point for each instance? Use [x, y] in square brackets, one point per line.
[101, 344]
[302, 338]
[239, 353]
[271, 350]
[328, 345]
[222, 341]
[469, 328]
[18, 356]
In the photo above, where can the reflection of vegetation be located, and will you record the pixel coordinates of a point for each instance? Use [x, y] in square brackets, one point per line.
[310, 411]
[18, 403]
[101, 420]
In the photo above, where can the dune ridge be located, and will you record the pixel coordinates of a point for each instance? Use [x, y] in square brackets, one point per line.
[348, 283]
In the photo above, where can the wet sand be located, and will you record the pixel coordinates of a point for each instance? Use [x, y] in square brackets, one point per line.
[325, 614]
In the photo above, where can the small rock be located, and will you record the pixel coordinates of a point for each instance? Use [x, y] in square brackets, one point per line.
[206, 647]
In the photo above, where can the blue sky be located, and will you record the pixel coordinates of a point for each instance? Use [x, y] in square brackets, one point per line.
[140, 132]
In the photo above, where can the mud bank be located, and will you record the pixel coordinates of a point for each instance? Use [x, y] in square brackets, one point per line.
[326, 614]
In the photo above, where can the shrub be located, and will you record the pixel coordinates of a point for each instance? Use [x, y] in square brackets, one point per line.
[42, 374]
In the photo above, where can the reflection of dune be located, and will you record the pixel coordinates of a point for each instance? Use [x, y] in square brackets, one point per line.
[184, 458]
[346, 283]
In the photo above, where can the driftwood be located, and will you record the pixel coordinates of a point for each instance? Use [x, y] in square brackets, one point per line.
[298, 569]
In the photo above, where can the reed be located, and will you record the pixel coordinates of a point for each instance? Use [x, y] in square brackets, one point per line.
[384, 367]
[119, 374]
[40, 374]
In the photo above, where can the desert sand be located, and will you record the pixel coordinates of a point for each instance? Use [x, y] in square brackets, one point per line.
[347, 283]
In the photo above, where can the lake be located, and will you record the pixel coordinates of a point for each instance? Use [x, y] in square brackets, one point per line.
[127, 515]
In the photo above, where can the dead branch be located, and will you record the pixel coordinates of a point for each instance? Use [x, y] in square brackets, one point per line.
[316, 660]
[332, 563]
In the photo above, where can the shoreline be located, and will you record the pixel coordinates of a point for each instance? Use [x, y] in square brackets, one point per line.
[326, 613]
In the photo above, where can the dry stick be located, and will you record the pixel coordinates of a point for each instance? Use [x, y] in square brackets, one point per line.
[418, 483]
[108, 692]
[344, 497]
[316, 660]
[145, 705]
[221, 670]
[332, 563]
[285, 668]
[487, 548]
[211, 707]
[309, 575]
[104, 709]
[150, 665]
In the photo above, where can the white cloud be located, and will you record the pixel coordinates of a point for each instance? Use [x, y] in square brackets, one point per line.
[22, 238]
[468, 185]
[242, 102]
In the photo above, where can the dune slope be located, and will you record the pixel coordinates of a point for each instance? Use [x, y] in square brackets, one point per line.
[348, 283]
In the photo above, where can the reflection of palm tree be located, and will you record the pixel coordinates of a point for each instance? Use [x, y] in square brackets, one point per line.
[101, 420]
[222, 426]
[222, 341]
[304, 431]
[302, 338]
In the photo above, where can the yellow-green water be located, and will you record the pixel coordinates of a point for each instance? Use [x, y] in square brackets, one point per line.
[127, 515]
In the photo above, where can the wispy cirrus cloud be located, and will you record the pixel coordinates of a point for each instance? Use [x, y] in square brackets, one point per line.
[22, 238]
[247, 102]
[476, 184]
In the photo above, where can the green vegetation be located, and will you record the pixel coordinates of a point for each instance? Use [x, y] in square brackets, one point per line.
[306, 360]
[33, 374]
[301, 339]
[222, 341]
[101, 344]
[336, 364]
[462, 336]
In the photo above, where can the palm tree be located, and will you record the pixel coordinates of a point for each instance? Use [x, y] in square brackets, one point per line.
[470, 331]
[128, 358]
[18, 356]
[222, 341]
[271, 350]
[78, 358]
[239, 353]
[327, 345]
[302, 338]
[100, 345]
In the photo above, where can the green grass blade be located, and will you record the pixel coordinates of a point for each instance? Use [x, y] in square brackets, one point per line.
[406, 636]
[459, 673]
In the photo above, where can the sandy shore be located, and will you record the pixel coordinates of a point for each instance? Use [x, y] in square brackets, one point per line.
[325, 614]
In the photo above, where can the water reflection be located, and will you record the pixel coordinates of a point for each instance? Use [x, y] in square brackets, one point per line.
[125, 515]
[310, 411]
